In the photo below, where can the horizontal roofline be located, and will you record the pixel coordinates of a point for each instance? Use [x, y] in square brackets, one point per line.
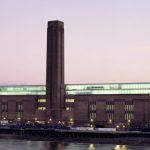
[24, 85]
[19, 85]
[111, 83]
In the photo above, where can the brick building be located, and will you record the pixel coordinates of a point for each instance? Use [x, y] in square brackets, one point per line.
[99, 104]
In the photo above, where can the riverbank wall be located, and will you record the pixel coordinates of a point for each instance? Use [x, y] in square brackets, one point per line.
[118, 137]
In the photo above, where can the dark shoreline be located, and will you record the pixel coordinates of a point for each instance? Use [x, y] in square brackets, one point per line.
[76, 136]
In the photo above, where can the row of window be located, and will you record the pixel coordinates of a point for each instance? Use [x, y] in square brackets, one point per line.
[128, 107]
[19, 106]
[4, 106]
[110, 107]
[4, 115]
[92, 106]
[110, 116]
[69, 100]
[4, 110]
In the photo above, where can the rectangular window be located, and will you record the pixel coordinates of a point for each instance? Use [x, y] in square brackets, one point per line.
[41, 108]
[41, 100]
[92, 111]
[19, 110]
[129, 111]
[19, 115]
[70, 100]
[68, 108]
[110, 107]
[4, 106]
[4, 110]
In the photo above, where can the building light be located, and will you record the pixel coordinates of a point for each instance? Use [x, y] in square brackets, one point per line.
[91, 147]
[18, 118]
[117, 147]
[35, 119]
[91, 120]
[71, 122]
[4, 118]
[110, 121]
[117, 126]
[67, 108]
[41, 108]
[50, 120]
[69, 100]
[41, 100]
[28, 121]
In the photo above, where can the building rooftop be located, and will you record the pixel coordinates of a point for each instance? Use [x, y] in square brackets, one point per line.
[108, 88]
[80, 89]
[23, 90]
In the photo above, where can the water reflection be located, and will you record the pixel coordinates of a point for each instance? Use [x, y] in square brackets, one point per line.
[12, 144]
[120, 147]
[91, 147]
[55, 146]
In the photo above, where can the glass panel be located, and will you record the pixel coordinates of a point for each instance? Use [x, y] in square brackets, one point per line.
[22, 90]
[120, 88]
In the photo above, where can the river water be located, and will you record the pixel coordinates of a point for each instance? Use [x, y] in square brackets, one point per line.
[13, 144]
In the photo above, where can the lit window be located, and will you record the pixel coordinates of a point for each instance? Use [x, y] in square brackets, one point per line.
[4, 110]
[67, 108]
[92, 110]
[69, 100]
[19, 115]
[19, 107]
[41, 108]
[19, 110]
[129, 111]
[110, 111]
[41, 100]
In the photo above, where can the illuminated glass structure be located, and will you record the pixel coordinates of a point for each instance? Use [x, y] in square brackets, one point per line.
[80, 89]
[113, 88]
[23, 90]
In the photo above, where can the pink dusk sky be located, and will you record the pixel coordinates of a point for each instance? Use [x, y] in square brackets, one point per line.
[105, 40]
